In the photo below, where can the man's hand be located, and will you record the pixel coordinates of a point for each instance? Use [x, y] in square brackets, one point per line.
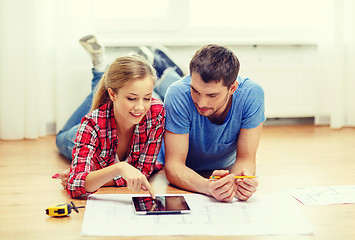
[245, 187]
[222, 189]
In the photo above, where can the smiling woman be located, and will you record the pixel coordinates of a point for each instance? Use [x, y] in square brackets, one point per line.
[118, 141]
[114, 144]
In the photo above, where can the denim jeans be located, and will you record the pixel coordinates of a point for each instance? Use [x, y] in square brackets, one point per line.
[66, 136]
[168, 77]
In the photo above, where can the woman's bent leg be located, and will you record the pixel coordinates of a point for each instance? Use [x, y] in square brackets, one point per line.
[66, 136]
[65, 141]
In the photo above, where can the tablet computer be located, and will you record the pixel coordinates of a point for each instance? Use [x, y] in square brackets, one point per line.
[160, 205]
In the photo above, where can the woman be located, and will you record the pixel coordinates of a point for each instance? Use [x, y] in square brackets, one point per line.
[117, 143]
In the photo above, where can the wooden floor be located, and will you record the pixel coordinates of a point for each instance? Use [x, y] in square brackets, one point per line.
[300, 155]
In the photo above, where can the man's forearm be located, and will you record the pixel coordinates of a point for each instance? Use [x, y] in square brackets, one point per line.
[244, 164]
[185, 178]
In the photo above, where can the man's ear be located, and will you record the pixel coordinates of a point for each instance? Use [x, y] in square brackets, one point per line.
[111, 93]
[233, 88]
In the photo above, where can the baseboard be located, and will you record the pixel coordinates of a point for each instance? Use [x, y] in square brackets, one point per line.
[289, 121]
[51, 128]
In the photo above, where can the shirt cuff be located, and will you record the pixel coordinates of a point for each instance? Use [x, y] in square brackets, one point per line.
[119, 181]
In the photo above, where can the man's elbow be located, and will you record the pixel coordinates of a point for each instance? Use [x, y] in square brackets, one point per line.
[172, 172]
[169, 171]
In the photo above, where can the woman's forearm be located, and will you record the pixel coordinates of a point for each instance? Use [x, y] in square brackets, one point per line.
[99, 178]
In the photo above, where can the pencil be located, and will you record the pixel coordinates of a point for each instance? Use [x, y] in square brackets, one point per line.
[236, 177]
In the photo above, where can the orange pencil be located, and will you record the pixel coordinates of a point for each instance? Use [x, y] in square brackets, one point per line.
[236, 177]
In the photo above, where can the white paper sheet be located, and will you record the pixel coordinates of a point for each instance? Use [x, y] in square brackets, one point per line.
[324, 195]
[113, 215]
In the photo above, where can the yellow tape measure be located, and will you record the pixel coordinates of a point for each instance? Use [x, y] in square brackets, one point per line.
[62, 209]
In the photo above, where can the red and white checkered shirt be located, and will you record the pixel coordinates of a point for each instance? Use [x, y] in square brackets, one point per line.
[96, 145]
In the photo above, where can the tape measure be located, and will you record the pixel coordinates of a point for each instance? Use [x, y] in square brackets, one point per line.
[62, 209]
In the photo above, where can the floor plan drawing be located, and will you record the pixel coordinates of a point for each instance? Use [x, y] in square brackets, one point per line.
[324, 195]
[113, 215]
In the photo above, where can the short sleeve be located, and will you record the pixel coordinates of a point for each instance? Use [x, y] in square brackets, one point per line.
[254, 108]
[177, 105]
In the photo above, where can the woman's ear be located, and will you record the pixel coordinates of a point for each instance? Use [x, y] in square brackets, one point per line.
[233, 88]
[111, 93]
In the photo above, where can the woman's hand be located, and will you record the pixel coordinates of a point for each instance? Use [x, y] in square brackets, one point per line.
[64, 176]
[135, 179]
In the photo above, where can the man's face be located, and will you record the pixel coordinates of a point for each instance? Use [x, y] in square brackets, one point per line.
[210, 99]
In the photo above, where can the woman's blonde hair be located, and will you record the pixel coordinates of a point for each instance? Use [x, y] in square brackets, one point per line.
[119, 73]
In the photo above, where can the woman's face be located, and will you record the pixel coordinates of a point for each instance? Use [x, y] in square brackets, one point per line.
[132, 101]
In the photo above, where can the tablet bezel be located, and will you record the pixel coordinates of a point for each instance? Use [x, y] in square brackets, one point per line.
[138, 210]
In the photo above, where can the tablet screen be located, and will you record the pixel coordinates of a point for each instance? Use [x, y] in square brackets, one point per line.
[161, 205]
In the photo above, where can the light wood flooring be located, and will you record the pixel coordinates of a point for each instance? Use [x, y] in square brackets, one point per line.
[297, 155]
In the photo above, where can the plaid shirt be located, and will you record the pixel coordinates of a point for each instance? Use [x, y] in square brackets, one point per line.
[96, 145]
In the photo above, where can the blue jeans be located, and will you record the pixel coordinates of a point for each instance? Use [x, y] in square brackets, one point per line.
[66, 136]
[168, 77]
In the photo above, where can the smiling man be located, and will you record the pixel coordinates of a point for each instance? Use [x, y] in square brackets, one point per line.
[213, 124]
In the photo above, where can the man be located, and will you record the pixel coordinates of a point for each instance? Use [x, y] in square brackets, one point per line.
[213, 123]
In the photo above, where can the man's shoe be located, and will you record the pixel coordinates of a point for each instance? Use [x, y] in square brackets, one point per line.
[146, 53]
[162, 61]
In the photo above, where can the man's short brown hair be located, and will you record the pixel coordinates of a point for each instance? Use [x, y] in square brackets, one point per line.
[215, 63]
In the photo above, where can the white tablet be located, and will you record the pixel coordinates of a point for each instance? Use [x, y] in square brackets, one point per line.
[161, 205]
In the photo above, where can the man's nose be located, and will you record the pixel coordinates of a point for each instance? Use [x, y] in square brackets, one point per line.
[202, 102]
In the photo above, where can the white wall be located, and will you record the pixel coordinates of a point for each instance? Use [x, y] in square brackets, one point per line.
[301, 52]
[284, 60]
[283, 56]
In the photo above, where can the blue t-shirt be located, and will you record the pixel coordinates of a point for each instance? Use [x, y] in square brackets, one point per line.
[212, 146]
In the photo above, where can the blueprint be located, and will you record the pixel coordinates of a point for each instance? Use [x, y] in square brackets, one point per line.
[324, 195]
[113, 215]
